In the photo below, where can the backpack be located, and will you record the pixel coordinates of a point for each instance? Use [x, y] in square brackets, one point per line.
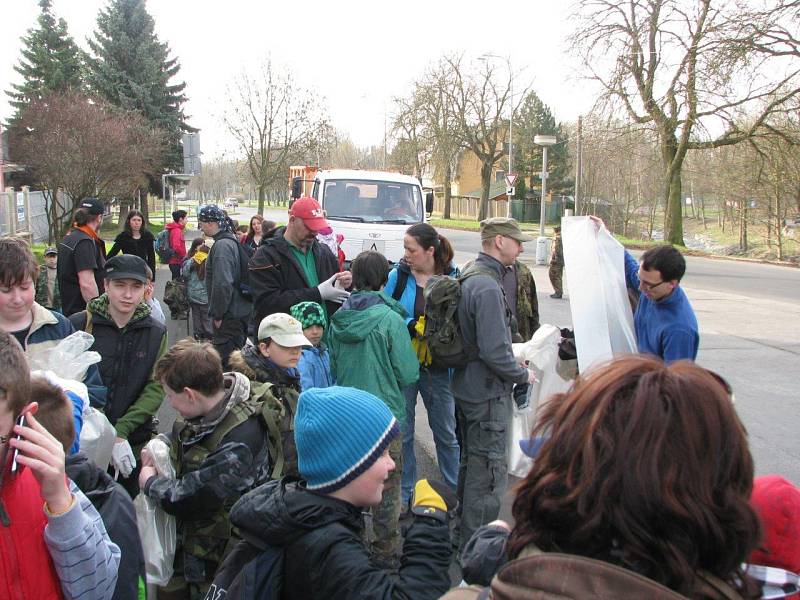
[249, 573]
[163, 247]
[442, 295]
[176, 296]
[278, 415]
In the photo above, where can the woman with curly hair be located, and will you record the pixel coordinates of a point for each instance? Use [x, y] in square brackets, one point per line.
[640, 489]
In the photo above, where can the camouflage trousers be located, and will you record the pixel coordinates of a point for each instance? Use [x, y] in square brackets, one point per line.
[556, 273]
[387, 541]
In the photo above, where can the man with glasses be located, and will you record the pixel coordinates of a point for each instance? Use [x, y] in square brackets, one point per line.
[664, 320]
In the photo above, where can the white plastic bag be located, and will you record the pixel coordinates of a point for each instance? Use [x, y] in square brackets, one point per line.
[157, 528]
[541, 352]
[97, 436]
[69, 359]
[601, 312]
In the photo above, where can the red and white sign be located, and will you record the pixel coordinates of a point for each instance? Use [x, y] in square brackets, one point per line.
[510, 179]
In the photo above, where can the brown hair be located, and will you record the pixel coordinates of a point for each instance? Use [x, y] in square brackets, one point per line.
[82, 217]
[200, 268]
[191, 364]
[15, 379]
[370, 271]
[426, 236]
[55, 411]
[250, 231]
[16, 262]
[646, 466]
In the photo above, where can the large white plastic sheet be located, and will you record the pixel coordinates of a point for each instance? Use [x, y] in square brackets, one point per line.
[541, 352]
[601, 312]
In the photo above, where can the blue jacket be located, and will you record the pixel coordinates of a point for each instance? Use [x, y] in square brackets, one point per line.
[47, 329]
[315, 368]
[409, 296]
[666, 328]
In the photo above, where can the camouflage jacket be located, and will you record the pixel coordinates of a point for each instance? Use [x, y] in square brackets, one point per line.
[557, 254]
[527, 302]
[41, 291]
[217, 458]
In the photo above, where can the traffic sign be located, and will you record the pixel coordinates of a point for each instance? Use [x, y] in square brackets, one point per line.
[511, 191]
[511, 178]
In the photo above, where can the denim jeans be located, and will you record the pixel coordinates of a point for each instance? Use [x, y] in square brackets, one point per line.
[434, 387]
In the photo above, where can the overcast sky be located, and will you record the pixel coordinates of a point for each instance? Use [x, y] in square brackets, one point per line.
[357, 54]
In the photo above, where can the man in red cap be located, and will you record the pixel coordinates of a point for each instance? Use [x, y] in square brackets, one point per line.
[292, 266]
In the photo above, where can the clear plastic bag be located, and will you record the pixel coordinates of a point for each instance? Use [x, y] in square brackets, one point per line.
[541, 352]
[601, 311]
[97, 437]
[69, 359]
[157, 529]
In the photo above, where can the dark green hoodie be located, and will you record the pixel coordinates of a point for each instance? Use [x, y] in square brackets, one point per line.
[371, 349]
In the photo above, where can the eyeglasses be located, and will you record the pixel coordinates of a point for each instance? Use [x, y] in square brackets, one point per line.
[650, 286]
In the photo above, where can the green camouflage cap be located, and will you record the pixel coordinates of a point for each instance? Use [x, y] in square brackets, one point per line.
[503, 226]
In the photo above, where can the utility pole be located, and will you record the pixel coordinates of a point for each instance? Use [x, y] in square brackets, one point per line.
[578, 166]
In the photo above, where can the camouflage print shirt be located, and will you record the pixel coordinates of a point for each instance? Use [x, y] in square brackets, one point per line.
[527, 302]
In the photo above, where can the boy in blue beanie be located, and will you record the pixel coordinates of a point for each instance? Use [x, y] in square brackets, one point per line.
[342, 436]
[315, 363]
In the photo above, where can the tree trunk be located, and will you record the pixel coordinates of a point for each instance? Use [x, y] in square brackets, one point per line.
[145, 208]
[124, 209]
[743, 228]
[486, 183]
[448, 175]
[262, 194]
[673, 221]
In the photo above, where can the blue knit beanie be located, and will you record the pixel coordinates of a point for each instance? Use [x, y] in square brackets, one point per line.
[340, 432]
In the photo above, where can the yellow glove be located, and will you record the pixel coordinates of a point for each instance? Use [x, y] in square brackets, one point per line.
[419, 327]
[433, 499]
[423, 352]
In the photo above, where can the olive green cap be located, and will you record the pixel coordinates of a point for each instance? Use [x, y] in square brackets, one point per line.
[503, 226]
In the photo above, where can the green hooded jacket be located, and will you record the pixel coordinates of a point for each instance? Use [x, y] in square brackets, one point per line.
[371, 350]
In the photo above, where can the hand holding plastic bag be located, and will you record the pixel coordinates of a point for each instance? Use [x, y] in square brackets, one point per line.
[69, 359]
[156, 528]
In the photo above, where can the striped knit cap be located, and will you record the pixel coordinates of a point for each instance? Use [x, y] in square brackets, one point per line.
[309, 313]
[340, 432]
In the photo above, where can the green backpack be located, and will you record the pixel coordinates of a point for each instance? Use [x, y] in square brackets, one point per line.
[442, 331]
[278, 415]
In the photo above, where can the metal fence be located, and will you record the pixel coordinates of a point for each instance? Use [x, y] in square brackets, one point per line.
[24, 211]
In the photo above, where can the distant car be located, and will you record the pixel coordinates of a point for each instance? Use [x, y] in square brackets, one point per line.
[231, 203]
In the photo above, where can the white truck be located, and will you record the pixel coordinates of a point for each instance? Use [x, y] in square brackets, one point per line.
[371, 209]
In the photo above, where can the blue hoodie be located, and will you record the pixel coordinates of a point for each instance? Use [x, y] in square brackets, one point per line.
[315, 368]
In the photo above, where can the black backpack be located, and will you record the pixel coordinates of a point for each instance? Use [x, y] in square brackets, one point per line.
[249, 573]
[442, 331]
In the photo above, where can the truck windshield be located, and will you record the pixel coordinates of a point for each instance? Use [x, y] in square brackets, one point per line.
[372, 201]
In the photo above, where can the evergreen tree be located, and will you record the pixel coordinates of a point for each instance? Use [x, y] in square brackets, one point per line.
[51, 62]
[132, 69]
[535, 118]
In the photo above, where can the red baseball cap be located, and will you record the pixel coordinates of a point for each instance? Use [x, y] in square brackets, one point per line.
[311, 212]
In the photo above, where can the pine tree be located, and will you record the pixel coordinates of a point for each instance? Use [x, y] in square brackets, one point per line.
[132, 69]
[535, 118]
[51, 62]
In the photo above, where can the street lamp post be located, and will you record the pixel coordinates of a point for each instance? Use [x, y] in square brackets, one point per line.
[544, 141]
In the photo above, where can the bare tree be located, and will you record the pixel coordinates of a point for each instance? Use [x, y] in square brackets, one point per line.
[273, 121]
[690, 69]
[411, 147]
[85, 148]
[480, 101]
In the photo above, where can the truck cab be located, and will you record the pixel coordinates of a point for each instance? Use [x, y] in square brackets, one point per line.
[371, 209]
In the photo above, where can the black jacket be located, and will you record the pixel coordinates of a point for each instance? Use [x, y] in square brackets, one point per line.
[325, 556]
[143, 247]
[128, 357]
[116, 509]
[277, 279]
